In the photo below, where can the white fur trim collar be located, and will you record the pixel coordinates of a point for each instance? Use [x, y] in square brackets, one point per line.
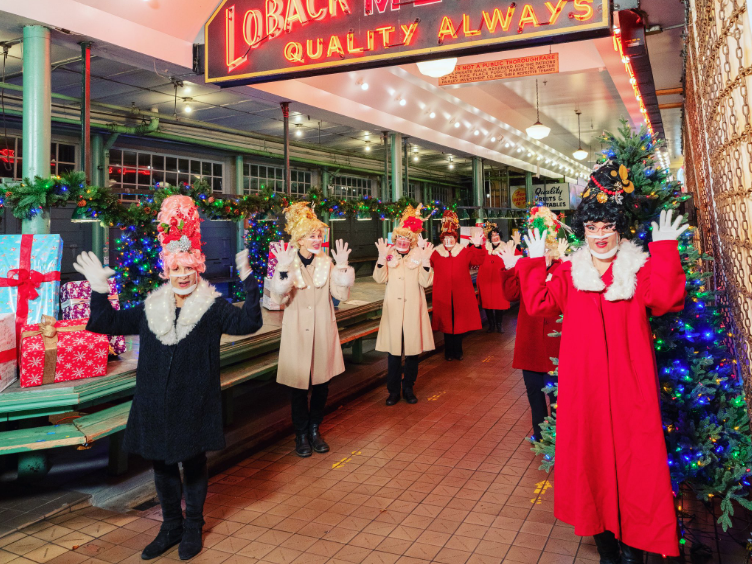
[412, 259]
[441, 249]
[321, 268]
[160, 311]
[490, 248]
[629, 260]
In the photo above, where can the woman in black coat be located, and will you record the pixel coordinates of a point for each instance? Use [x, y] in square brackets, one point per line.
[176, 415]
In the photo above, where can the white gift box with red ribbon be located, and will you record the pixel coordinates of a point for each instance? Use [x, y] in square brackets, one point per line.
[8, 353]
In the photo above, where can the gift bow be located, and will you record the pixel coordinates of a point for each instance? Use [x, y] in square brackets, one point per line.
[49, 331]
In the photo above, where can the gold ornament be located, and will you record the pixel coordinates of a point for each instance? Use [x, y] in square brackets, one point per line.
[586, 193]
[602, 198]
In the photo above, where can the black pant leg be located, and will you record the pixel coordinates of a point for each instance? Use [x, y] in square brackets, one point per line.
[169, 492]
[411, 371]
[534, 383]
[499, 317]
[394, 374]
[300, 413]
[319, 393]
[196, 479]
[448, 345]
[491, 317]
[458, 354]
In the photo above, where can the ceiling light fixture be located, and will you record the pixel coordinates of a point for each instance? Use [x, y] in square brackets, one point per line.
[298, 130]
[432, 115]
[437, 69]
[476, 132]
[580, 153]
[506, 145]
[456, 124]
[493, 139]
[368, 147]
[538, 130]
[451, 162]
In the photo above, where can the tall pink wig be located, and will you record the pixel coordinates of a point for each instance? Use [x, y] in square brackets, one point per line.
[180, 235]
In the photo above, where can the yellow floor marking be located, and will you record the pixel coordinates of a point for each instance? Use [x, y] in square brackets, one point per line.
[487, 359]
[540, 489]
[345, 460]
[436, 396]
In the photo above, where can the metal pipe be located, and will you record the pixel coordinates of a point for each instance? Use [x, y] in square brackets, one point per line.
[286, 117]
[86, 109]
[406, 158]
[395, 142]
[478, 187]
[239, 165]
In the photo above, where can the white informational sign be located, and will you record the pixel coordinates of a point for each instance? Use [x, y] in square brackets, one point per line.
[553, 196]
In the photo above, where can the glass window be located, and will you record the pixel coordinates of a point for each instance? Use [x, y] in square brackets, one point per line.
[258, 177]
[8, 157]
[350, 187]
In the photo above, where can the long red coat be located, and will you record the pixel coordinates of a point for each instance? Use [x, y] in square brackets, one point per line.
[611, 465]
[533, 348]
[453, 288]
[489, 280]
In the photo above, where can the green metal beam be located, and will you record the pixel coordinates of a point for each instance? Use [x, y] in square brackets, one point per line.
[395, 144]
[479, 194]
[240, 242]
[97, 179]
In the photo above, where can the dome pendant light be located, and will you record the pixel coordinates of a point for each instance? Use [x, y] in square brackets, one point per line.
[438, 68]
[580, 153]
[537, 130]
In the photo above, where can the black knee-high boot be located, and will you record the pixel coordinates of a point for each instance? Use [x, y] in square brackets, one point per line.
[167, 484]
[196, 477]
[608, 547]
[630, 555]
[491, 316]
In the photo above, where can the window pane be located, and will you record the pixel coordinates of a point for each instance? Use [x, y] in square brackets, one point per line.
[157, 162]
[171, 164]
[217, 184]
[157, 176]
[217, 169]
[115, 173]
[129, 173]
[129, 159]
[171, 178]
[183, 165]
[115, 156]
[254, 170]
[195, 168]
[62, 168]
[66, 153]
[144, 178]
[183, 179]
[144, 160]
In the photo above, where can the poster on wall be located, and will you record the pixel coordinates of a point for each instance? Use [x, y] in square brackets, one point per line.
[553, 196]
[518, 197]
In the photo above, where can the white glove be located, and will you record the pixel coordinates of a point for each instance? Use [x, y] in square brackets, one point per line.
[421, 242]
[90, 266]
[284, 257]
[563, 246]
[506, 253]
[242, 264]
[341, 254]
[667, 231]
[476, 239]
[427, 252]
[383, 248]
[536, 243]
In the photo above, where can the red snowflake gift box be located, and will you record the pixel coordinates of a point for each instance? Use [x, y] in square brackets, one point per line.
[60, 351]
[75, 303]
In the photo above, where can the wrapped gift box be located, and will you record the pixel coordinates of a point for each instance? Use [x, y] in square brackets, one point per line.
[75, 303]
[30, 276]
[60, 351]
[271, 263]
[266, 298]
[8, 365]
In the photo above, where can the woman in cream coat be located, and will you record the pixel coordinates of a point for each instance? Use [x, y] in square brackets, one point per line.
[310, 354]
[405, 327]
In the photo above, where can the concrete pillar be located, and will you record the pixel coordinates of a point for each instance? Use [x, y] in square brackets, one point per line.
[240, 242]
[37, 115]
[395, 144]
[479, 192]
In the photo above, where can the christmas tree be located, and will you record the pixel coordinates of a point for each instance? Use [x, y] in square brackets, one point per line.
[137, 263]
[259, 234]
[704, 411]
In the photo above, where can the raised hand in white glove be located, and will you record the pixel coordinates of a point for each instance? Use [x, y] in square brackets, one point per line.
[667, 231]
[536, 243]
[563, 245]
[476, 239]
[427, 252]
[91, 267]
[341, 253]
[383, 247]
[242, 264]
[516, 237]
[421, 242]
[284, 257]
[506, 253]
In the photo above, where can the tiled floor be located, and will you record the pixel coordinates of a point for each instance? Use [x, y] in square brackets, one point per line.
[449, 480]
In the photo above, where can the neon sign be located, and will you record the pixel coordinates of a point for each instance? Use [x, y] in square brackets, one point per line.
[250, 41]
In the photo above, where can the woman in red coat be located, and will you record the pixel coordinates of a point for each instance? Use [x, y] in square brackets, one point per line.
[489, 279]
[533, 347]
[612, 475]
[455, 308]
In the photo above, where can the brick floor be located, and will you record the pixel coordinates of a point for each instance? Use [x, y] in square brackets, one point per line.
[450, 480]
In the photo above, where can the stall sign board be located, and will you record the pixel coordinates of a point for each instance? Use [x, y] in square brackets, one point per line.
[553, 196]
[252, 41]
[506, 68]
[518, 197]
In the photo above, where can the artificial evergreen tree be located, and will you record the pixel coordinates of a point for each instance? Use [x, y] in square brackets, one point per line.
[702, 400]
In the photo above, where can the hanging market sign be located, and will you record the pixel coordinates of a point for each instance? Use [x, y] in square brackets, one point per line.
[553, 196]
[506, 68]
[251, 41]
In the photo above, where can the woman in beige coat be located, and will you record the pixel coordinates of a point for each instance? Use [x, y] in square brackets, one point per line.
[310, 354]
[405, 327]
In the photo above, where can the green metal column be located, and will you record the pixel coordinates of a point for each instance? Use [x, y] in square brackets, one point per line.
[97, 179]
[479, 193]
[385, 224]
[240, 243]
[395, 144]
[529, 186]
[37, 115]
[325, 179]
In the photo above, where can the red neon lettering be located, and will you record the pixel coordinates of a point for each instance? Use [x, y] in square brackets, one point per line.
[231, 61]
[351, 48]
[380, 6]
[586, 7]
[253, 28]
[274, 20]
[466, 27]
[555, 11]
[294, 52]
[408, 32]
[528, 17]
[319, 48]
[312, 13]
[446, 29]
[341, 3]
[499, 19]
[335, 47]
[424, 2]
[295, 13]
[385, 32]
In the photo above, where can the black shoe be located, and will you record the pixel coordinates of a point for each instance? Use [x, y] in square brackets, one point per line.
[460, 357]
[191, 544]
[166, 539]
[608, 547]
[490, 328]
[409, 396]
[631, 555]
[499, 328]
[302, 445]
[393, 399]
[317, 441]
